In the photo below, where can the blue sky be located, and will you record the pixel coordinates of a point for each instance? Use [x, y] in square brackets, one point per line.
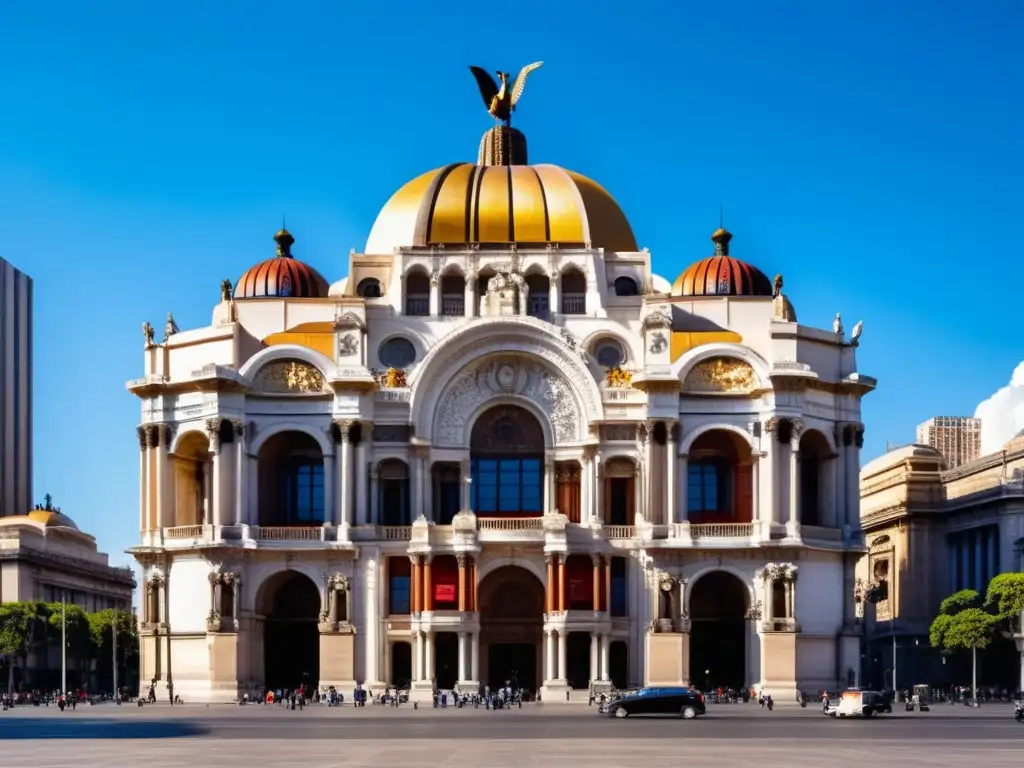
[868, 151]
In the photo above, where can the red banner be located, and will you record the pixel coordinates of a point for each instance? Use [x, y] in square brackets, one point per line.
[444, 593]
[579, 590]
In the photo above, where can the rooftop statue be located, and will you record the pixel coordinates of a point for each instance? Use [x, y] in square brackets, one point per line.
[501, 100]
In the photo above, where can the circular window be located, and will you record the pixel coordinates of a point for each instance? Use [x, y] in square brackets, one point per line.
[609, 353]
[397, 353]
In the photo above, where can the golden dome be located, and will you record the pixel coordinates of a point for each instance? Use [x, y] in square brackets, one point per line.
[51, 519]
[484, 204]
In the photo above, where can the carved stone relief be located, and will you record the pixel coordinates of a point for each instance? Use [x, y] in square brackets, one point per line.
[504, 376]
[290, 377]
[721, 375]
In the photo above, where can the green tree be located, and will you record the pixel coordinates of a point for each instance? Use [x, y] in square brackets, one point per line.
[963, 626]
[78, 635]
[102, 626]
[1005, 598]
[21, 631]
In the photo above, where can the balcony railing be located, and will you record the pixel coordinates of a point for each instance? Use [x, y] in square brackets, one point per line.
[453, 306]
[574, 304]
[286, 533]
[509, 523]
[417, 305]
[395, 532]
[184, 532]
[619, 531]
[721, 530]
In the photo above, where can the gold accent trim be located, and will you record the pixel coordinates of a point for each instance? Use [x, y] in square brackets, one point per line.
[721, 375]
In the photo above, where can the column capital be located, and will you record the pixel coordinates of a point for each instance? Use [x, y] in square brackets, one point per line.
[462, 559]
[152, 436]
[140, 433]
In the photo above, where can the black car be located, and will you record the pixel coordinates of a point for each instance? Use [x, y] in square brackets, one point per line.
[684, 702]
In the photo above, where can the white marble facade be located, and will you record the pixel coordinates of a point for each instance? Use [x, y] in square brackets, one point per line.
[450, 482]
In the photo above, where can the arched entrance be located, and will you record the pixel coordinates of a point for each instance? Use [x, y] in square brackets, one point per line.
[511, 603]
[718, 634]
[290, 605]
[401, 664]
[507, 463]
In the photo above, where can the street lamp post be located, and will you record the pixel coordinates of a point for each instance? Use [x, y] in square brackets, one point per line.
[113, 638]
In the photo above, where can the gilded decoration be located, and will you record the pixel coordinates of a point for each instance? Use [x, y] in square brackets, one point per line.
[721, 375]
[392, 378]
[291, 377]
[618, 377]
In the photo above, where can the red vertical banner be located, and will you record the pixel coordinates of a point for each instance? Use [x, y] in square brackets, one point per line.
[444, 593]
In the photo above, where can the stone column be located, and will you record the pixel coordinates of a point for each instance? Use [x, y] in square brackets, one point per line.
[240, 472]
[755, 487]
[551, 591]
[252, 508]
[562, 649]
[549, 484]
[463, 656]
[554, 293]
[671, 449]
[236, 603]
[418, 650]
[372, 575]
[597, 513]
[164, 478]
[993, 553]
[467, 486]
[330, 500]
[461, 558]
[414, 585]
[645, 435]
[429, 656]
[471, 299]
[597, 579]
[362, 448]
[474, 656]
[853, 478]
[561, 584]
[374, 496]
[831, 518]
[595, 651]
[345, 475]
[793, 519]
[608, 585]
[549, 655]
[213, 431]
[977, 535]
[435, 295]
[416, 481]
[838, 500]
[140, 433]
[606, 642]
[208, 492]
[586, 486]
[682, 483]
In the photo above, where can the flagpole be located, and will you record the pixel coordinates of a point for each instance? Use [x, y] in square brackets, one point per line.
[63, 648]
[113, 631]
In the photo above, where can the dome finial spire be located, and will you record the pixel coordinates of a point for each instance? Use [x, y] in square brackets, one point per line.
[284, 242]
[721, 238]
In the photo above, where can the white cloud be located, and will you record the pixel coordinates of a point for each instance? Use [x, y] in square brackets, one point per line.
[1002, 414]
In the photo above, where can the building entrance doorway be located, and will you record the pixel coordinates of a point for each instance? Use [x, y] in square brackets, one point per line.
[401, 665]
[577, 661]
[718, 633]
[511, 601]
[446, 660]
[290, 605]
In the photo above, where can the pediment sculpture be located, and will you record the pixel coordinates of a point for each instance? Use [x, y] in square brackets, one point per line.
[721, 375]
[289, 377]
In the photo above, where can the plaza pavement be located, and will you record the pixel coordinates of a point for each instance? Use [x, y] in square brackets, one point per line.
[731, 736]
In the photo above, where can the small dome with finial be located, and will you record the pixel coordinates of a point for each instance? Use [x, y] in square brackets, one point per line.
[721, 274]
[281, 277]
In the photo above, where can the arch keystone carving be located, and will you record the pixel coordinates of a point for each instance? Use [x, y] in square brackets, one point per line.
[721, 376]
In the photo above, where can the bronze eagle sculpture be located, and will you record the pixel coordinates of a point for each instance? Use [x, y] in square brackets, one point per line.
[501, 100]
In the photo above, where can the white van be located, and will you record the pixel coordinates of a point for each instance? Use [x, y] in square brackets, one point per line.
[860, 704]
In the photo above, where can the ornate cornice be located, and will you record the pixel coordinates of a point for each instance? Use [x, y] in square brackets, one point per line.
[109, 574]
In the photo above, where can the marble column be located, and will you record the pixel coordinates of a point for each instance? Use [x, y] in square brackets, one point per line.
[562, 650]
[992, 561]
[345, 476]
[671, 483]
[474, 656]
[755, 489]
[361, 471]
[647, 476]
[428, 585]
[549, 484]
[417, 484]
[597, 513]
[241, 465]
[606, 642]
[597, 579]
[164, 478]
[461, 558]
[549, 655]
[252, 503]
[471, 299]
[595, 652]
[852, 511]
[554, 289]
[979, 560]
[429, 656]
[463, 656]
[608, 585]
[435, 295]
[793, 519]
[330, 502]
[586, 488]
[140, 432]
[208, 491]
[374, 496]
[414, 584]
[218, 476]
[830, 518]
[561, 584]
[467, 486]
[419, 650]
[551, 591]
[682, 485]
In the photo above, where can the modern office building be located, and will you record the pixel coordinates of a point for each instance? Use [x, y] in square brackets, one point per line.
[502, 447]
[957, 438]
[15, 391]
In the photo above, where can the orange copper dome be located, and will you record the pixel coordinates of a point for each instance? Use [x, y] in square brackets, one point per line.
[283, 276]
[722, 275]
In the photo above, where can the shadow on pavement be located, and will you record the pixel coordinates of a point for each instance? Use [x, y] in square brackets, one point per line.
[24, 729]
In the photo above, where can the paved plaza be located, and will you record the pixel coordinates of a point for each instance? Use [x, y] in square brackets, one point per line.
[533, 736]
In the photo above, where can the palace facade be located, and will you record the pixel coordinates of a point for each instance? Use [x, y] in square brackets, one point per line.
[502, 447]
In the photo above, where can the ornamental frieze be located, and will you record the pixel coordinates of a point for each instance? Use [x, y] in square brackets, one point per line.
[721, 375]
[289, 377]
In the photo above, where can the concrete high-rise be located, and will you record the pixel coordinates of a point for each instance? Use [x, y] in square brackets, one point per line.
[15, 391]
[957, 438]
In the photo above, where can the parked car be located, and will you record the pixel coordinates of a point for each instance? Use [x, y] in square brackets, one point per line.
[857, 703]
[684, 702]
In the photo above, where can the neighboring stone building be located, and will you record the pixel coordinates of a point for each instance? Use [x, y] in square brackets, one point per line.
[931, 532]
[501, 447]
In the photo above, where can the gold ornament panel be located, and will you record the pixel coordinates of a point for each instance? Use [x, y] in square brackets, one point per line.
[721, 376]
[290, 377]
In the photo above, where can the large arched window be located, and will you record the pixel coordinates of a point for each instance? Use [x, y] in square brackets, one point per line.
[393, 490]
[507, 463]
[719, 479]
[304, 500]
